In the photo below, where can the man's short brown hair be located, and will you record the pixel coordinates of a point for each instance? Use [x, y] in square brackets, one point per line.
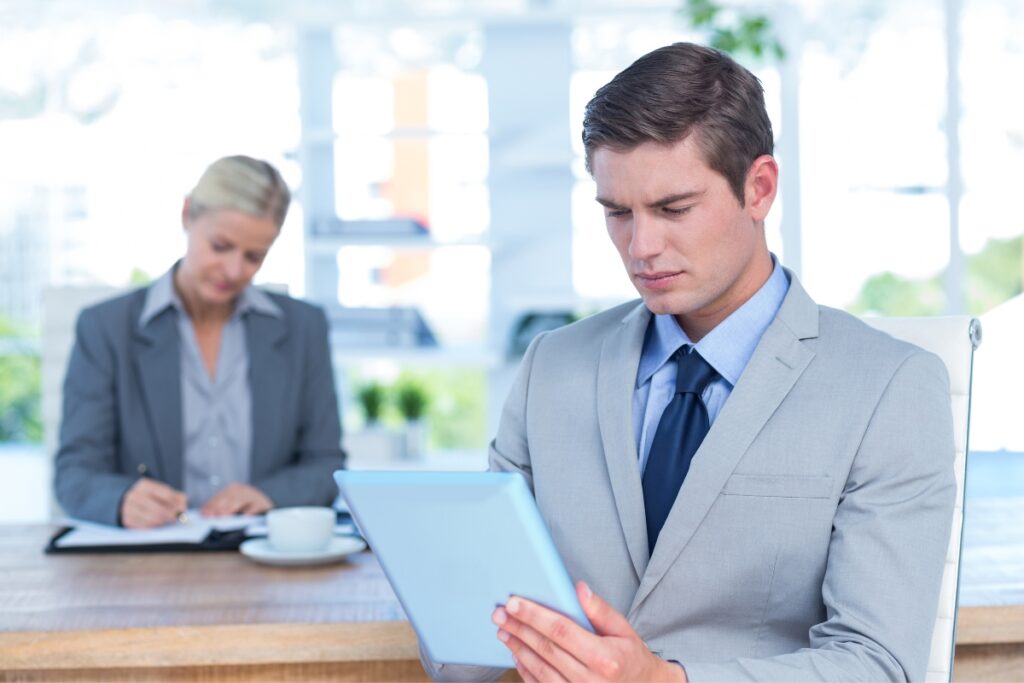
[679, 90]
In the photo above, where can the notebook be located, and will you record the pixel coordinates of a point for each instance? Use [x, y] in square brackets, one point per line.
[455, 545]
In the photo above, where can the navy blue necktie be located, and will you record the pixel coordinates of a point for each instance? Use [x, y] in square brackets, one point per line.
[682, 428]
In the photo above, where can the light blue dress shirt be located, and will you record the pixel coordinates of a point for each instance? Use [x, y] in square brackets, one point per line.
[727, 348]
[216, 411]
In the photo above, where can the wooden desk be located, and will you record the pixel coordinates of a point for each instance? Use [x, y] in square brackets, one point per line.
[989, 644]
[219, 616]
[199, 616]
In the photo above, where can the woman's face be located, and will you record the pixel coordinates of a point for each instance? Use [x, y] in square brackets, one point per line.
[225, 249]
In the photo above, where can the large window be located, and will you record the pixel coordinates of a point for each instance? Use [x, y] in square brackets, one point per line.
[106, 122]
[873, 152]
[107, 118]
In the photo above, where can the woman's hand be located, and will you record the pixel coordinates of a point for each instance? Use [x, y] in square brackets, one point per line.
[237, 499]
[150, 503]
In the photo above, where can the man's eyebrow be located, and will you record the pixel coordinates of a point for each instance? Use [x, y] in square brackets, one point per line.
[673, 198]
[608, 203]
[664, 201]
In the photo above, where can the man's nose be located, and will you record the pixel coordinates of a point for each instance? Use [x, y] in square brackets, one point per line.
[646, 240]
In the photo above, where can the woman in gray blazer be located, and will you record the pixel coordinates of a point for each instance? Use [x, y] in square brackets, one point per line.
[202, 390]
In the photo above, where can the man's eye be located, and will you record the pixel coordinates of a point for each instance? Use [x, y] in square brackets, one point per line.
[676, 211]
[616, 213]
[219, 246]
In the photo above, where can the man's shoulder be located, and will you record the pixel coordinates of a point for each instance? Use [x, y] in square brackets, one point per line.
[854, 344]
[842, 329]
[592, 329]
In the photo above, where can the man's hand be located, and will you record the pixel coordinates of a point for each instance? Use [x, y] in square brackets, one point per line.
[548, 646]
[237, 499]
[150, 503]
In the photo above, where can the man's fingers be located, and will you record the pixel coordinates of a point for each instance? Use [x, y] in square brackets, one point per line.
[532, 666]
[557, 627]
[525, 674]
[605, 619]
[545, 633]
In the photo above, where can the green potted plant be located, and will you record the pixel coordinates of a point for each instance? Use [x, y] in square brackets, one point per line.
[375, 443]
[412, 400]
[371, 397]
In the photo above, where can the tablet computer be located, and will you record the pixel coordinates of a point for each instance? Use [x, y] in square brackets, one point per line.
[455, 545]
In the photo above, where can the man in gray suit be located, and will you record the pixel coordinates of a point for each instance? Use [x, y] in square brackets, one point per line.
[748, 486]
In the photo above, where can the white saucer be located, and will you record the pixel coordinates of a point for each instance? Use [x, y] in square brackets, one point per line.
[259, 549]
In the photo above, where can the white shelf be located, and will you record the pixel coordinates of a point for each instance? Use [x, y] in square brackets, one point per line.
[331, 243]
[325, 136]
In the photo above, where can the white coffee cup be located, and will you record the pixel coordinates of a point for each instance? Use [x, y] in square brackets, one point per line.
[300, 529]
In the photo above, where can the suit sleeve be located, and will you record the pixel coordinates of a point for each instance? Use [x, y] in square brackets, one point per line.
[509, 452]
[308, 479]
[510, 449]
[890, 535]
[87, 480]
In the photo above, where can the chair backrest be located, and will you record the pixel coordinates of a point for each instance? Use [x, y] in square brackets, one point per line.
[61, 306]
[953, 339]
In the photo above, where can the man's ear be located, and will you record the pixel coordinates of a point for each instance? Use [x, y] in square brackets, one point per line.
[762, 184]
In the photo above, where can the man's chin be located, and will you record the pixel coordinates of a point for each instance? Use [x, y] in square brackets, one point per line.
[666, 304]
[659, 304]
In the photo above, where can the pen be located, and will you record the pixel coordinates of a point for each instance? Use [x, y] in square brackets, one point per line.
[183, 517]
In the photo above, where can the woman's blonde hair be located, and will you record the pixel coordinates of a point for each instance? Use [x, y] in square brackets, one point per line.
[244, 184]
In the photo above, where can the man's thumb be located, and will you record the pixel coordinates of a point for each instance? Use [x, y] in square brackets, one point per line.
[603, 617]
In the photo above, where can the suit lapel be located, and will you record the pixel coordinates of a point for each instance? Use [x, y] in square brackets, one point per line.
[268, 374]
[158, 363]
[616, 382]
[778, 361]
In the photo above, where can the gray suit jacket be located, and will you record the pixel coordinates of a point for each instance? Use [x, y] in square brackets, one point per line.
[807, 540]
[123, 414]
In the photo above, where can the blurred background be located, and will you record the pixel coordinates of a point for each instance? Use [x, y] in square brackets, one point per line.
[443, 215]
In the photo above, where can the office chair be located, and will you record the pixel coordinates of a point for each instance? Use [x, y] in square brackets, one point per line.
[953, 339]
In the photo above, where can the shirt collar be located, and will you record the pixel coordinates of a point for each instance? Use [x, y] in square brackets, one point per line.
[729, 346]
[255, 300]
[162, 295]
[159, 297]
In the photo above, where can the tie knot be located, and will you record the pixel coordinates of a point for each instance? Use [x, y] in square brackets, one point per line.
[693, 373]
